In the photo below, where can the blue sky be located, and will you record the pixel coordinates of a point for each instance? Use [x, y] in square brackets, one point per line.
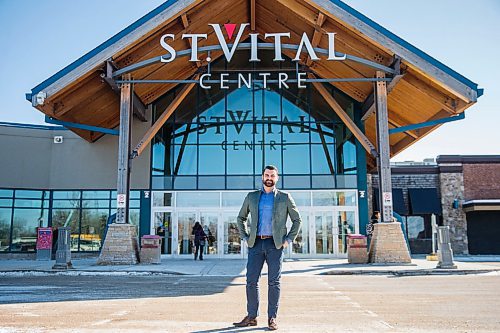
[39, 38]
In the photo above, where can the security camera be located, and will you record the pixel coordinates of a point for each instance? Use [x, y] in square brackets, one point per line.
[58, 139]
[40, 98]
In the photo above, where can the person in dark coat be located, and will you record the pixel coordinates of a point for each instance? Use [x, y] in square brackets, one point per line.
[200, 239]
[371, 225]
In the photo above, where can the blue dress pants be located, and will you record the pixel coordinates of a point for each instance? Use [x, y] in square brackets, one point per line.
[263, 250]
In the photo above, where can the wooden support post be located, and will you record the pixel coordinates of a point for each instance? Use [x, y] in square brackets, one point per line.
[123, 184]
[252, 15]
[384, 151]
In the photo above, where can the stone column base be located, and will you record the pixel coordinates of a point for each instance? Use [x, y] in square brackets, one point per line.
[120, 246]
[388, 244]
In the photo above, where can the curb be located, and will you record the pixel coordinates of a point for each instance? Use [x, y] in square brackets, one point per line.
[413, 272]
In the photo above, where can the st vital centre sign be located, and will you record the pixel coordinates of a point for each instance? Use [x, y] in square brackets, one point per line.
[245, 79]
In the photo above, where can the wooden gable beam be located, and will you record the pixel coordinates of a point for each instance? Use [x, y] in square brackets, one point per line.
[317, 35]
[365, 142]
[138, 107]
[143, 143]
[252, 15]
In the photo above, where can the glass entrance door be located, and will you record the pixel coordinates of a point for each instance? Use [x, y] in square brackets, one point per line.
[210, 222]
[185, 223]
[163, 228]
[232, 246]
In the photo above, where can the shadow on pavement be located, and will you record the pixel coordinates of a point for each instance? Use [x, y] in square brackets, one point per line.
[34, 289]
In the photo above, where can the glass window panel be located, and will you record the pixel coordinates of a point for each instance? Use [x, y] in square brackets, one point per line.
[345, 226]
[296, 182]
[159, 159]
[198, 199]
[233, 199]
[212, 132]
[238, 134]
[272, 155]
[185, 223]
[296, 159]
[323, 181]
[134, 216]
[95, 194]
[321, 161]
[28, 203]
[209, 221]
[163, 228]
[185, 183]
[211, 182]
[416, 227]
[347, 181]
[188, 160]
[240, 182]
[5, 216]
[24, 228]
[347, 198]
[324, 198]
[215, 113]
[95, 203]
[68, 218]
[295, 133]
[6, 193]
[6, 202]
[240, 159]
[182, 131]
[29, 194]
[292, 112]
[161, 183]
[162, 199]
[66, 203]
[320, 132]
[301, 198]
[135, 194]
[324, 233]
[240, 99]
[349, 157]
[92, 230]
[73, 195]
[232, 242]
[301, 243]
[212, 160]
[272, 103]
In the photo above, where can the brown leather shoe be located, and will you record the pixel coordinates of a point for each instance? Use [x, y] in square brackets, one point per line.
[271, 324]
[247, 321]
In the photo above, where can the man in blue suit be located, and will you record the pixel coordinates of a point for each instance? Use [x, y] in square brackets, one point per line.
[266, 235]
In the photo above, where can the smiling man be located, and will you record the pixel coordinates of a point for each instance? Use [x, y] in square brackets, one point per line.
[267, 236]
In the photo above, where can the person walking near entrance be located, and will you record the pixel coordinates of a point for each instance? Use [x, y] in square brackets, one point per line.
[266, 236]
[199, 240]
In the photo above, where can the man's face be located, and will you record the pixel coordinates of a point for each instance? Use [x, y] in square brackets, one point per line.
[270, 178]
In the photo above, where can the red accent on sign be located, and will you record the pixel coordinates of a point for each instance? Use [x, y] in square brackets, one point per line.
[44, 239]
[230, 29]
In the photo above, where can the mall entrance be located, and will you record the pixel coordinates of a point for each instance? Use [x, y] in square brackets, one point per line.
[328, 216]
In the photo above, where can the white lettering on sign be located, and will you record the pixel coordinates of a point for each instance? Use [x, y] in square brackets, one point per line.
[121, 201]
[277, 37]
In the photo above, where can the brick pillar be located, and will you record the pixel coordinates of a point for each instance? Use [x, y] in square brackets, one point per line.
[388, 244]
[120, 246]
[452, 187]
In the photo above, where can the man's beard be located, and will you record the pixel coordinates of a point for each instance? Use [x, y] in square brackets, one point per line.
[268, 183]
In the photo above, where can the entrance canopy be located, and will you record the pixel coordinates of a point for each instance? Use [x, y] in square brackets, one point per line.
[422, 92]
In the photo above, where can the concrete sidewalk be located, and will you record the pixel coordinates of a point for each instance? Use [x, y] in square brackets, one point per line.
[236, 267]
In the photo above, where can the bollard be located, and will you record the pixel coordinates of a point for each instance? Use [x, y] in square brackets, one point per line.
[445, 253]
[63, 253]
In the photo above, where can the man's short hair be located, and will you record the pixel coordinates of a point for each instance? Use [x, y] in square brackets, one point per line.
[270, 167]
